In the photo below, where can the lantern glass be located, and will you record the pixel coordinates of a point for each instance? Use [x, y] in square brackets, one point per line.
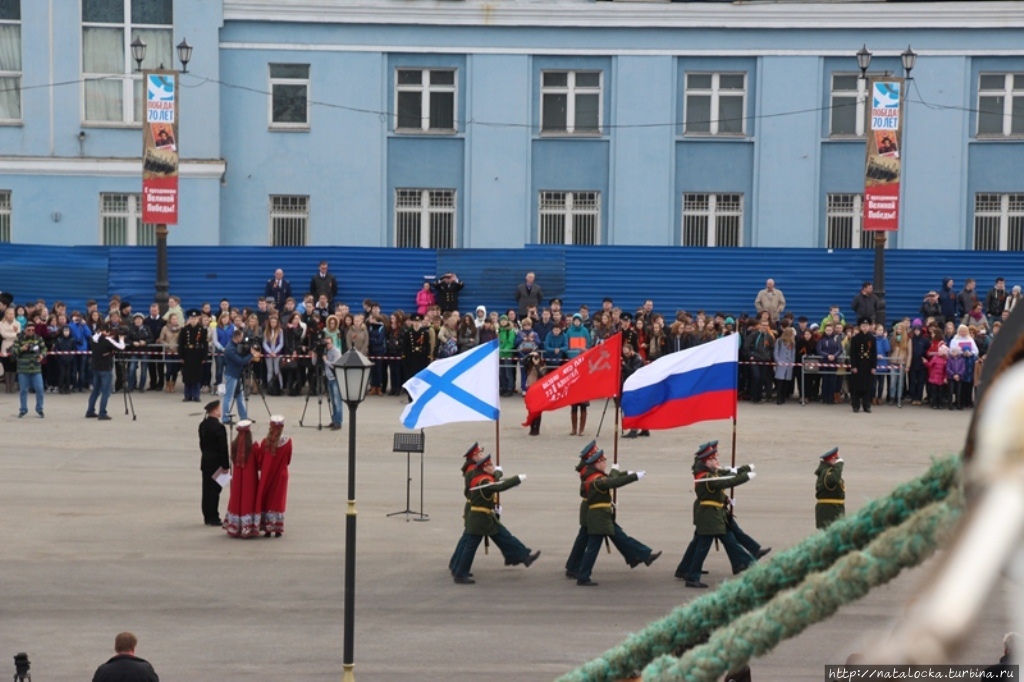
[352, 371]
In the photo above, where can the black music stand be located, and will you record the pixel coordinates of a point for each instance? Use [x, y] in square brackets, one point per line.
[410, 443]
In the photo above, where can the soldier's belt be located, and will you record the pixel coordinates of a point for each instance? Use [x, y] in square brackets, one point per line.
[831, 501]
[482, 510]
[711, 503]
[601, 505]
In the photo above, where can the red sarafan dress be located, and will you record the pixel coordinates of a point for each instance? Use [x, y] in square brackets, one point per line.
[273, 492]
[243, 517]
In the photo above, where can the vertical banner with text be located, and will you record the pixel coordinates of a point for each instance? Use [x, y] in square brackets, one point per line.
[884, 150]
[160, 148]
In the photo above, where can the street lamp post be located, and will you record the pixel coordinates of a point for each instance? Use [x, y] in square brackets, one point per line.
[162, 284]
[352, 371]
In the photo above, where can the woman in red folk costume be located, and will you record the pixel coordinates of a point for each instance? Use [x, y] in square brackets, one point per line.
[276, 455]
[243, 517]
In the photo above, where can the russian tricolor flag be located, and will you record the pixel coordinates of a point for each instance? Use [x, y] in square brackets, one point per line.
[683, 388]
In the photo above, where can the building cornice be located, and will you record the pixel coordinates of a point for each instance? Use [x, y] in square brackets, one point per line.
[109, 168]
[586, 14]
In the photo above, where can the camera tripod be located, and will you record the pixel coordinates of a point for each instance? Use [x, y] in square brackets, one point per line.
[122, 362]
[242, 392]
[317, 383]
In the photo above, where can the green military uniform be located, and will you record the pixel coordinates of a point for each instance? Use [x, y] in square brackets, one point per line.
[709, 512]
[830, 490]
[481, 519]
[600, 517]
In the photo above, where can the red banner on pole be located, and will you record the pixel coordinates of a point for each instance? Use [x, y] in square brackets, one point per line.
[160, 149]
[588, 376]
[884, 155]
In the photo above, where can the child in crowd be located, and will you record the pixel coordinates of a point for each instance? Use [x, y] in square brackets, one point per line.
[956, 369]
[937, 376]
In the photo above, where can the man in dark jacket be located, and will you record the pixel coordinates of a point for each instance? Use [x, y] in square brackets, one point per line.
[278, 288]
[965, 300]
[213, 444]
[995, 300]
[930, 308]
[139, 338]
[865, 303]
[235, 361]
[125, 666]
[155, 323]
[947, 299]
[104, 346]
[324, 284]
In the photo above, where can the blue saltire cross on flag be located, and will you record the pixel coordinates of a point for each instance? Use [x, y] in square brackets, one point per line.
[462, 388]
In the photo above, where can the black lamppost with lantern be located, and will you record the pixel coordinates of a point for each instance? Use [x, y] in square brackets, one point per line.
[352, 371]
[162, 285]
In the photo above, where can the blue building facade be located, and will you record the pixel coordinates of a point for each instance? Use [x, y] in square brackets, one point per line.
[471, 124]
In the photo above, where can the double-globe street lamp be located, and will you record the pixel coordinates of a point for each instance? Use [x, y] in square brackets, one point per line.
[909, 59]
[162, 284]
[352, 371]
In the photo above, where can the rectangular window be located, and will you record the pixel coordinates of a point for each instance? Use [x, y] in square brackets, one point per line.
[112, 89]
[570, 102]
[289, 96]
[425, 100]
[425, 218]
[999, 222]
[121, 221]
[570, 217]
[289, 220]
[712, 220]
[5, 216]
[10, 61]
[715, 104]
[1000, 104]
[848, 104]
[844, 216]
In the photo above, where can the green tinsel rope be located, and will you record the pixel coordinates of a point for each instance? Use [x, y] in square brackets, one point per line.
[687, 624]
[816, 599]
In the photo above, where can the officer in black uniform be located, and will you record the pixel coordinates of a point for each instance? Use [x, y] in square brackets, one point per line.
[193, 348]
[213, 444]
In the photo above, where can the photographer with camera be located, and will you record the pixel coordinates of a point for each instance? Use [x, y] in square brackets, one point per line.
[30, 350]
[237, 354]
[448, 287]
[105, 343]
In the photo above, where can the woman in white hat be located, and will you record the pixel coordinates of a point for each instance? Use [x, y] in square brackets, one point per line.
[243, 517]
[275, 456]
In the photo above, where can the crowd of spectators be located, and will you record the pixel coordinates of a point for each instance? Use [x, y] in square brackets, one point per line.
[933, 358]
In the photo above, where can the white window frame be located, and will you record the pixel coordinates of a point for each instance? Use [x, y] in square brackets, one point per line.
[293, 207]
[425, 210]
[15, 75]
[571, 90]
[570, 205]
[1008, 93]
[131, 80]
[137, 233]
[715, 93]
[307, 82]
[5, 215]
[848, 206]
[1011, 206]
[861, 95]
[711, 215]
[426, 88]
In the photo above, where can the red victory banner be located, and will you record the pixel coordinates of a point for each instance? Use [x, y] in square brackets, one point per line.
[160, 149]
[593, 374]
[884, 151]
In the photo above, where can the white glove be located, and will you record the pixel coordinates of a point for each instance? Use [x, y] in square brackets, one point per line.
[732, 503]
[522, 477]
[751, 476]
[640, 475]
[840, 459]
[615, 466]
[497, 509]
[751, 466]
[499, 469]
[732, 470]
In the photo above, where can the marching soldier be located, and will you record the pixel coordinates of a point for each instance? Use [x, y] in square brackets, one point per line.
[472, 456]
[597, 484]
[193, 347]
[627, 546]
[481, 520]
[830, 490]
[710, 517]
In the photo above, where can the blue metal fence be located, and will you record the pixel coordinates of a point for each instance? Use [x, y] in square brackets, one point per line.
[712, 279]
